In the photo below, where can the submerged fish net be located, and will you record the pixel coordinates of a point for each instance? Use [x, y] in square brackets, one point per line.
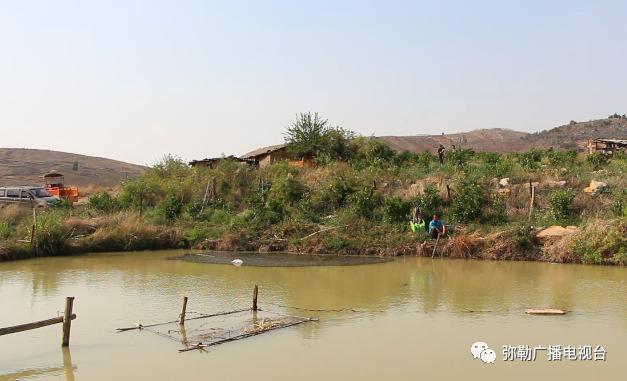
[210, 330]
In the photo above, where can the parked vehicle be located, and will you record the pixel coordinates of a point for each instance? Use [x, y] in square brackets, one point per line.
[54, 183]
[34, 197]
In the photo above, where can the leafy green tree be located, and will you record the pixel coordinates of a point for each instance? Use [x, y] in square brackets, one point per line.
[395, 210]
[310, 136]
[305, 138]
[468, 201]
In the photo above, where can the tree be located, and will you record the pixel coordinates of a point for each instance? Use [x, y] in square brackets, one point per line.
[310, 136]
[305, 138]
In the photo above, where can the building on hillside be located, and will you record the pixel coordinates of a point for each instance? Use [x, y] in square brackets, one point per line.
[265, 156]
[606, 146]
[213, 162]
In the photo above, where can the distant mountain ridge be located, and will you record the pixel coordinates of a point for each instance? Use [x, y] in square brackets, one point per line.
[22, 166]
[570, 136]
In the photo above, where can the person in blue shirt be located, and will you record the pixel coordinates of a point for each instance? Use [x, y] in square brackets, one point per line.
[436, 227]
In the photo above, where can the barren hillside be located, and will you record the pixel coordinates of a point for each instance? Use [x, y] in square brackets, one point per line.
[496, 139]
[572, 135]
[20, 166]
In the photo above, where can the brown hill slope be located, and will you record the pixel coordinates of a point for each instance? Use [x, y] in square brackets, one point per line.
[496, 139]
[19, 166]
[572, 135]
[575, 135]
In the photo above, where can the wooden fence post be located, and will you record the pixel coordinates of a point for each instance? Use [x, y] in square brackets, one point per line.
[533, 196]
[255, 294]
[182, 321]
[67, 321]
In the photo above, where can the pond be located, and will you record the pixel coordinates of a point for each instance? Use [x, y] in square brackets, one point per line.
[407, 319]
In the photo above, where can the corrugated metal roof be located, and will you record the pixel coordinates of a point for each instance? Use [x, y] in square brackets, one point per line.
[613, 141]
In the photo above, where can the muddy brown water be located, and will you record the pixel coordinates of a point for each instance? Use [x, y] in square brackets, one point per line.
[412, 319]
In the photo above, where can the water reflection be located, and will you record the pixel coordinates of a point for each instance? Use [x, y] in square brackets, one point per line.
[66, 369]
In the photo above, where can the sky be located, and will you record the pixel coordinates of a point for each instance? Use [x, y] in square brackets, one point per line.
[136, 80]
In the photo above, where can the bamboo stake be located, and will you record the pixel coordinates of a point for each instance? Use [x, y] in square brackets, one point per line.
[141, 326]
[34, 325]
[533, 196]
[255, 294]
[182, 320]
[436, 245]
[204, 199]
[323, 230]
[67, 321]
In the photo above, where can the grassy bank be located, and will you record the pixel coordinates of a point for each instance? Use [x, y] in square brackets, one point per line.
[358, 203]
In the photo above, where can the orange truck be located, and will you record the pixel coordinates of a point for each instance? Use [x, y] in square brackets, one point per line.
[53, 181]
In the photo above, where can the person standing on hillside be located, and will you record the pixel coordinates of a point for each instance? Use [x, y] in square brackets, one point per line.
[441, 154]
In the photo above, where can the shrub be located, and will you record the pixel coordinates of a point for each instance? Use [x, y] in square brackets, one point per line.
[102, 202]
[51, 233]
[490, 158]
[498, 211]
[467, 202]
[5, 230]
[395, 210]
[171, 208]
[373, 153]
[335, 194]
[285, 190]
[460, 156]
[561, 158]
[425, 159]
[429, 202]
[597, 160]
[522, 238]
[561, 204]
[365, 201]
[530, 160]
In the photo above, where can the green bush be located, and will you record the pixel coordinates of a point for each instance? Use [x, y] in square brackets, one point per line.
[467, 202]
[522, 238]
[335, 194]
[429, 202]
[561, 204]
[51, 234]
[531, 159]
[459, 157]
[597, 160]
[285, 190]
[102, 202]
[395, 210]
[561, 158]
[171, 208]
[365, 201]
[498, 211]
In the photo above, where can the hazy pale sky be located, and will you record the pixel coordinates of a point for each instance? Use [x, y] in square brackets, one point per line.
[134, 80]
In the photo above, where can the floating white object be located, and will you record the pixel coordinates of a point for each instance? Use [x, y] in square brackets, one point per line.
[237, 262]
[548, 311]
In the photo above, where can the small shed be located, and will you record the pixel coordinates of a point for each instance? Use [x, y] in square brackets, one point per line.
[266, 156]
[606, 146]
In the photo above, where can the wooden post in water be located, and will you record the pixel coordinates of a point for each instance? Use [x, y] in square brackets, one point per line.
[182, 320]
[67, 321]
[255, 294]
